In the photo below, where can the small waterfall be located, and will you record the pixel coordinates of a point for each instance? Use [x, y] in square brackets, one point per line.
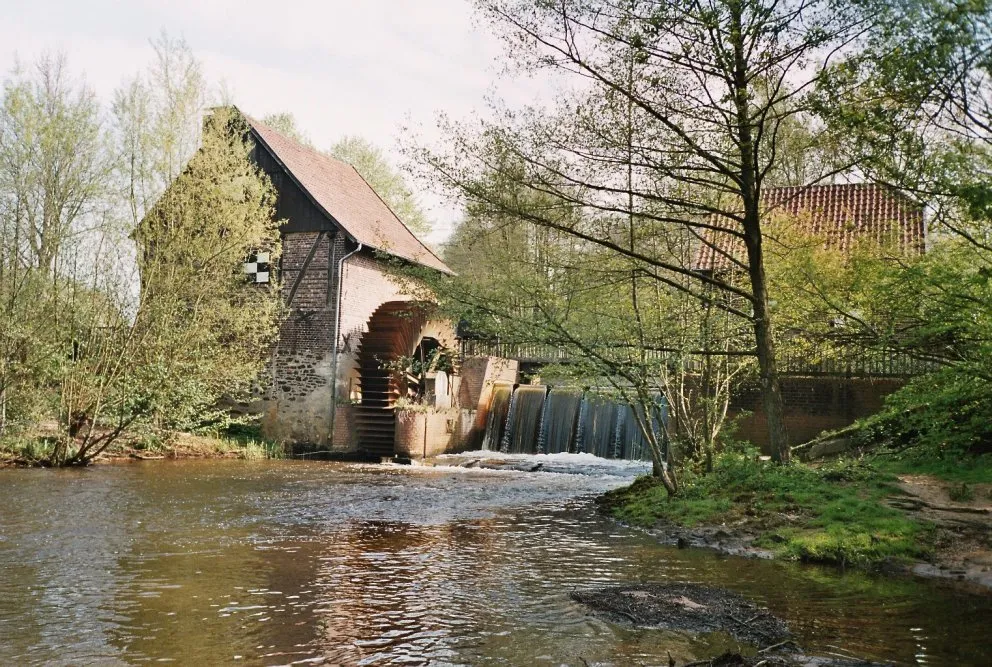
[580, 427]
[600, 425]
[631, 442]
[523, 424]
[561, 416]
[618, 431]
[542, 428]
[496, 415]
[504, 442]
[536, 420]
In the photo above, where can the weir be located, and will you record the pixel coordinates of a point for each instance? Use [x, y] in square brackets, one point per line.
[524, 420]
[536, 419]
[499, 407]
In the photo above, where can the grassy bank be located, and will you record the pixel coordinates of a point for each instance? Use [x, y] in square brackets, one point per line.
[832, 513]
[242, 443]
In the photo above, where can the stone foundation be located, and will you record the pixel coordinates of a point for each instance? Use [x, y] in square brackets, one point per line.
[426, 433]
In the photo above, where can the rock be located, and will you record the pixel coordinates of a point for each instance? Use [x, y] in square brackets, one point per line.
[829, 448]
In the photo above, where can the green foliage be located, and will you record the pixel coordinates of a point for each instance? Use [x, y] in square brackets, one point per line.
[254, 450]
[963, 470]
[123, 306]
[833, 513]
[941, 417]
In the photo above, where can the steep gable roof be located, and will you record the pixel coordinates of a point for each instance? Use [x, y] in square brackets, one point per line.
[840, 213]
[346, 197]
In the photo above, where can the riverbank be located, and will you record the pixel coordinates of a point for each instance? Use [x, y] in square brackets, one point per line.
[869, 513]
[33, 451]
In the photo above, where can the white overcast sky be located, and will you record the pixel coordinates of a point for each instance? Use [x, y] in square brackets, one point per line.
[366, 67]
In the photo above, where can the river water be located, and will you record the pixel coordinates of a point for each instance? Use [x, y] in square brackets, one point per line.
[265, 563]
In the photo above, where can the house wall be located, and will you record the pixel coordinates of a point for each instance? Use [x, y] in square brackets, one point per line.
[298, 403]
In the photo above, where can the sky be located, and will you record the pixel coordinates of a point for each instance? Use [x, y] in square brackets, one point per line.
[341, 67]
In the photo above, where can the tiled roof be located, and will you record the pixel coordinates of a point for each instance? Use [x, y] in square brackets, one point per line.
[347, 198]
[840, 213]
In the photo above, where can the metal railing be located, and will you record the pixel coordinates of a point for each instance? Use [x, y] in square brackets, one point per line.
[844, 363]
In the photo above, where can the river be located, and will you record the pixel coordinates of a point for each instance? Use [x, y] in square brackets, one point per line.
[280, 562]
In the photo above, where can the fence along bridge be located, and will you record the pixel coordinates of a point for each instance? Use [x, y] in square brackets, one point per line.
[865, 365]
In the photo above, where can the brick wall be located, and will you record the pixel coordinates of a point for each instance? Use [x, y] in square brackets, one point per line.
[298, 404]
[812, 405]
[423, 434]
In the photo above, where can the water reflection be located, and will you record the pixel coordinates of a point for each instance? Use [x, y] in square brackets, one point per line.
[282, 563]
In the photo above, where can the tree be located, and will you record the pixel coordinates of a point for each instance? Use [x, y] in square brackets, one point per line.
[52, 168]
[205, 331]
[53, 176]
[915, 109]
[157, 123]
[122, 300]
[388, 183]
[708, 88]
[528, 284]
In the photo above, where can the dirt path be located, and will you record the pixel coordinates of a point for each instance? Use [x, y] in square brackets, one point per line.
[964, 544]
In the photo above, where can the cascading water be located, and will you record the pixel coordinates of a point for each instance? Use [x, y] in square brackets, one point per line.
[504, 441]
[523, 424]
[534, 420]
[631, 443]
[600, 426]
[499, 405]
[561, 414]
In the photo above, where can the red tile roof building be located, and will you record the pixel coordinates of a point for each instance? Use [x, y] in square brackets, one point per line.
[841, 214]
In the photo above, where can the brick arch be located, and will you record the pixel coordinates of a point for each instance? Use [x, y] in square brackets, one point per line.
[394, 330]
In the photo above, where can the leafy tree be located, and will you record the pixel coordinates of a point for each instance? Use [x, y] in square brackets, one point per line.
[205, 332]
[157, 118]
[529, 285]
[52, 167]
[915, 110]
[671, 113]
[123, 301]
[53, 176]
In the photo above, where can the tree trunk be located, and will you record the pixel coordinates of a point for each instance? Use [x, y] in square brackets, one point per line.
[771, 391]
[750, 189]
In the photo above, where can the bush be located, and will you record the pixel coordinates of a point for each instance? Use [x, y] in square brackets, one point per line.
[945, 415]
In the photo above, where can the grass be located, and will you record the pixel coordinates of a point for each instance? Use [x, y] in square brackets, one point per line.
[962, 469]
[830, 514]
[242, 442]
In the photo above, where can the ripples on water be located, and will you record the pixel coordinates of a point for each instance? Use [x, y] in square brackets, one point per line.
[315, 563]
